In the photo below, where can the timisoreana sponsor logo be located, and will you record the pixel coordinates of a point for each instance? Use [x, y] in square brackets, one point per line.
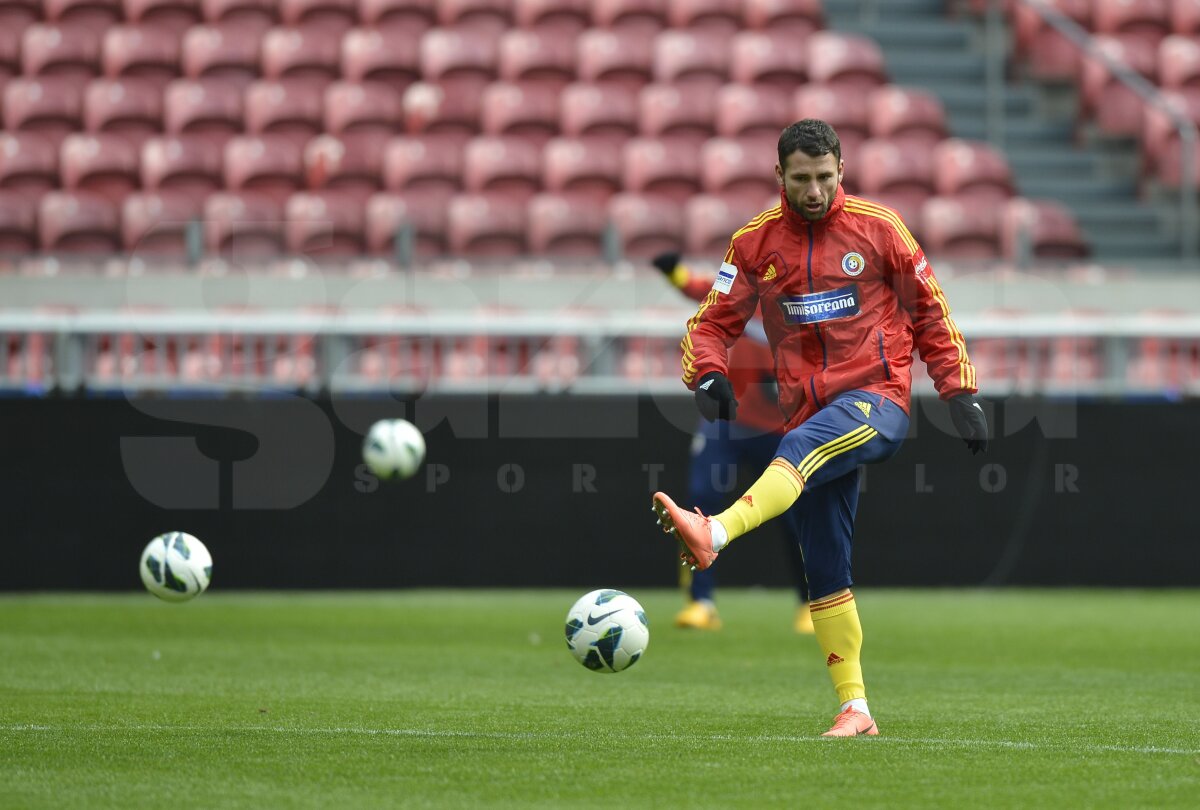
[827, 305]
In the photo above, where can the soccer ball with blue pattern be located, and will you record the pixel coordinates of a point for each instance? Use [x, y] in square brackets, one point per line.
[607, 630]
[394, 448]
[176, 567]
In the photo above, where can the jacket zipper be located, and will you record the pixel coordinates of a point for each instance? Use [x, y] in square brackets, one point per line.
[816, 326]
[882, 356]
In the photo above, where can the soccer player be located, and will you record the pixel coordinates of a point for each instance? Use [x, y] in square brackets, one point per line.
[719, 447]
[845, 294]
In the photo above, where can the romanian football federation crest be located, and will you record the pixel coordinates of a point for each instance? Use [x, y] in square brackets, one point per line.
[853, 264]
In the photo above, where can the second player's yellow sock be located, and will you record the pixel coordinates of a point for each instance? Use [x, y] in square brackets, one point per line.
[770, 496]
[839, 632]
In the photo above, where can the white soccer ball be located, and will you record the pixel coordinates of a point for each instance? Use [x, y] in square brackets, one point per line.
[394, 447]
[176, 567]
[607, 630]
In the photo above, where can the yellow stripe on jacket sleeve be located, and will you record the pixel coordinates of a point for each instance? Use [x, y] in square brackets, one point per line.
[689, 357]
[966, 371]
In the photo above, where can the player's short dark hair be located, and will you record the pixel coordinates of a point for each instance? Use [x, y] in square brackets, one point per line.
[811, 136]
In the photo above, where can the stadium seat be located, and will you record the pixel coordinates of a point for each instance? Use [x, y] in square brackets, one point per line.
[435, 109]
[846, 61]
[520, 108]
[582, 166]
[697, 58]
[486, 16]
[1179, 62]
[352, 164]
[243, 226]
[712, 219]
[537, 56]
[411, 16]
[266, 165]
[1117, 109]
[78, 222]
[565, 18]
[223, 52]
[1046, 227]
[565, 224]
[387, 55]
[973, 169]
[664, 167]
[174, 15]
[885, 166]
[959, 228]
[363, 107]
[502, 165]
[292, 108]
[94, 15]
[911, 117]
[103, 164]
[49, 106]
[1147, 19]
[750, 110]
[244, 15]
[595, 110]
[669, 110]
[157, 222]
[325, 224]
[18, 220]
[485, 225]
[28, 163]
[1048, 54]
[313, 54]
[129, 51]
[1185, 17]
[421, 213]
[740, 166]
[609, 57]
[793, 18]
[630, 18]
[328, 15]
[720, 17]
[208, 107]
[458, 55]
[767, 57]
[66, 53]
[423, 163]
[188, 165]
[10, 54]
[645, 224]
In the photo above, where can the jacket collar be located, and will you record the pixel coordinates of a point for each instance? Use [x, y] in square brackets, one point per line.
[799, 223]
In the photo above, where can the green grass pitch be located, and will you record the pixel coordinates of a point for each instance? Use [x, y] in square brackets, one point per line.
[448, 699]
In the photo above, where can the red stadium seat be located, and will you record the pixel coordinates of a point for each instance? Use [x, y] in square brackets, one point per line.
[487, 16]
[366, 107]
[60, 52]
[647, 225]
[78, 222]
[245, 15]
[207, 107]
[17, 15]
[565, 18]
[912, 117]
[526, 109]
[485, 225]
[140, 53]
[156, 223]
[888, 167]
[794, 18]
[748, 110]
[10, 53]
[188, 165]
[1048, 53]
[712, 219]
[1179, 62]
[106, 165]
[381, 55]
[669, 110]
[608, 110]
[352, 164]
[767, 57]
[421, 213]
[436, 109]
[1047, 227]
[564, 224]
[582, 166]
[720, 17]
[412, 16]
[696, 58]
[630, 17]
[243, 226]
[459, 55]
[328, 15]
[848, 61]
[18, 221]
[1117, 109]
[222, 52]
[1185, 17]
[740, 166]
[663, 167]
[291, 108]
[1148, 19]
[611, 58]
[28, 163]
[537, 56]
[270, 165]
[175, 15]
[313, 54]
[502, 165]
[95, 15]
[960, 228]
[971, 169]
[846, 111]
[325, 224]
[428, 163]
[51, 107]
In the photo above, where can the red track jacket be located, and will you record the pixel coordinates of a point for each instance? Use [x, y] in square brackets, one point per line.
[844, 301]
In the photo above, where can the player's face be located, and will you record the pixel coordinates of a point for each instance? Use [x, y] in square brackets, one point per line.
[810, 183]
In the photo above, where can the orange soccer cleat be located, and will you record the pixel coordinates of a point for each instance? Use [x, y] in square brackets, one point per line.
[852, 723]
[691, 529]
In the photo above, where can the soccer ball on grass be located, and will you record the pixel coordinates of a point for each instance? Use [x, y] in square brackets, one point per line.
[607, 630]
[394, 448]
[176, 567]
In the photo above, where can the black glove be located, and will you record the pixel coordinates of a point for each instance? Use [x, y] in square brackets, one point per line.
[668, 264]
[970, 422]
[714, 397]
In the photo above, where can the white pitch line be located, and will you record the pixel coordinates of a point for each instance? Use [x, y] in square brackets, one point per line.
[931, 742]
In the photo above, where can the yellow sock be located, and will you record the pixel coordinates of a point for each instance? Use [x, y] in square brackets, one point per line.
[835, 620]
[776, 489]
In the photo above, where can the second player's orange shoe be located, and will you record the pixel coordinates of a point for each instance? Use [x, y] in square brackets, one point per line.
[852, 723]
[690, 528]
